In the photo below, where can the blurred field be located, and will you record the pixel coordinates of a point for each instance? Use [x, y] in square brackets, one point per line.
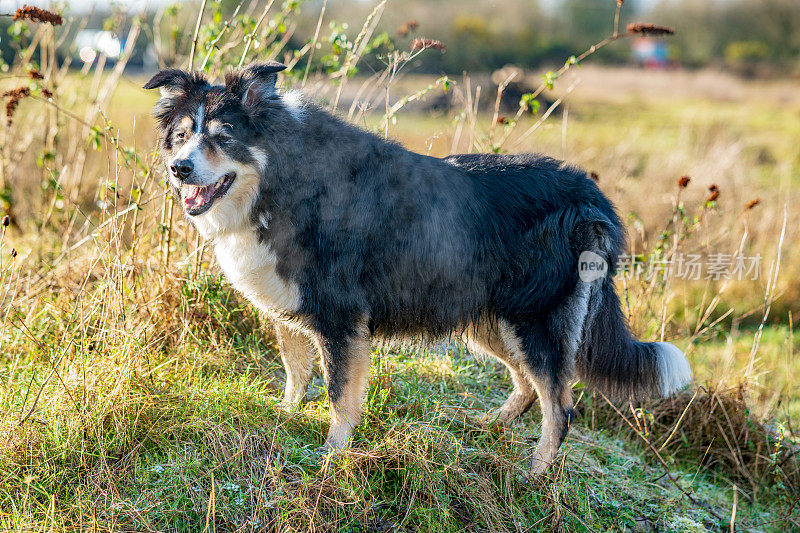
[140, 393]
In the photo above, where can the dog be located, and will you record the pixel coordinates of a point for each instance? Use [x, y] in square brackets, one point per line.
[344, 238]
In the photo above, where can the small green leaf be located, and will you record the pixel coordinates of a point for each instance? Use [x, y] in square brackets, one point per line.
[529, 102]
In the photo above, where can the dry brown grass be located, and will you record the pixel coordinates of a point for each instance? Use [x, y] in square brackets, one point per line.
[714, 423]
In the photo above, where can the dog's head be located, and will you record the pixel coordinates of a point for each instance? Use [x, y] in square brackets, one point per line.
[210, 139]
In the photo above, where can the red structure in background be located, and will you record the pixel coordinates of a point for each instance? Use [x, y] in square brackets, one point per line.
[651, 53]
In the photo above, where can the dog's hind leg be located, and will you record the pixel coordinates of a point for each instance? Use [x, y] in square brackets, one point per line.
[297, 353]
[555, 397]
[497, 339]
[345, 362]
[548, 365]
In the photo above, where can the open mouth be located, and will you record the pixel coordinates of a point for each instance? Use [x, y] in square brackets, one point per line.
[197, 200]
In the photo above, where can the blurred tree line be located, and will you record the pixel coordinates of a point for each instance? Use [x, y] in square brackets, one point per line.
[746, 35]
[752, 36]
[485, 35]
[738, 33]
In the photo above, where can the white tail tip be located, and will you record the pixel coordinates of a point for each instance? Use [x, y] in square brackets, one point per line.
[673, 367]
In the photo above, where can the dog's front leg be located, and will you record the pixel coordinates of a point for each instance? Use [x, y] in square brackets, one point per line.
[297, 353]
[345, 363]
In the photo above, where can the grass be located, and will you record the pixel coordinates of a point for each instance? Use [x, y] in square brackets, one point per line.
[136, 398]
[173, 424]
[139, 392]
[175, 439]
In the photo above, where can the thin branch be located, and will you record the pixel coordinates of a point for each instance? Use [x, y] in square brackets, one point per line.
[591, 50]
[769, 297]
[546, 115]
[225, 27]
[39, 393]
[249, 38]
[196, 33]
[314, 42]
[359, 44]
[497, 101]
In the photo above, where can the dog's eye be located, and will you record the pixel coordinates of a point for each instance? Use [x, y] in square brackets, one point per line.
[181, 135]
[225, 131]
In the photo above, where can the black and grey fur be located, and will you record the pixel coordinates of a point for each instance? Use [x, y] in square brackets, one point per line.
[344, 237]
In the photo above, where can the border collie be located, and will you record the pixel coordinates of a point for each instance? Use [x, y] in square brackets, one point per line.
[343, 238]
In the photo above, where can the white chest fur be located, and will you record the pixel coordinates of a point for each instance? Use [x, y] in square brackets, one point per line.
[250, 267]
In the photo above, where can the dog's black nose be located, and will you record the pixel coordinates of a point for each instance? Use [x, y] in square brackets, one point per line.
[181, 168]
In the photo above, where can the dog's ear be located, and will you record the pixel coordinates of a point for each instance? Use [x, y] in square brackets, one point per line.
[173, 84]
[254, 83]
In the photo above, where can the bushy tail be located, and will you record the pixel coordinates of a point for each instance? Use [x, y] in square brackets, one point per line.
[614, 363]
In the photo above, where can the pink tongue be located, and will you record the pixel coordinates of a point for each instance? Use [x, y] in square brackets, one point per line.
[197, 197]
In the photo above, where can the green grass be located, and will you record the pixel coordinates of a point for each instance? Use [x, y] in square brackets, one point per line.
[184, 433]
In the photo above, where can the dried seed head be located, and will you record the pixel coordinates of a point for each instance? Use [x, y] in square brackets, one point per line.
[407, 27]
[35, 75]
[752, 203]
[595, 176]
[14, 96]
[13, 253]
[19, 92]
[648, 28]
[37, 14]
[502, 119]
[713, 193]
[6, 221]
[684, 182]
[422, 44]
[47, 93]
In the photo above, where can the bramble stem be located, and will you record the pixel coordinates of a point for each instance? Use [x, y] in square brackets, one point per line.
[196, 33]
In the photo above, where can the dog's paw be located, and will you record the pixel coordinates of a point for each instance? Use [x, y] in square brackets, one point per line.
[290, 407]
[331, 448]
[325, 454]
